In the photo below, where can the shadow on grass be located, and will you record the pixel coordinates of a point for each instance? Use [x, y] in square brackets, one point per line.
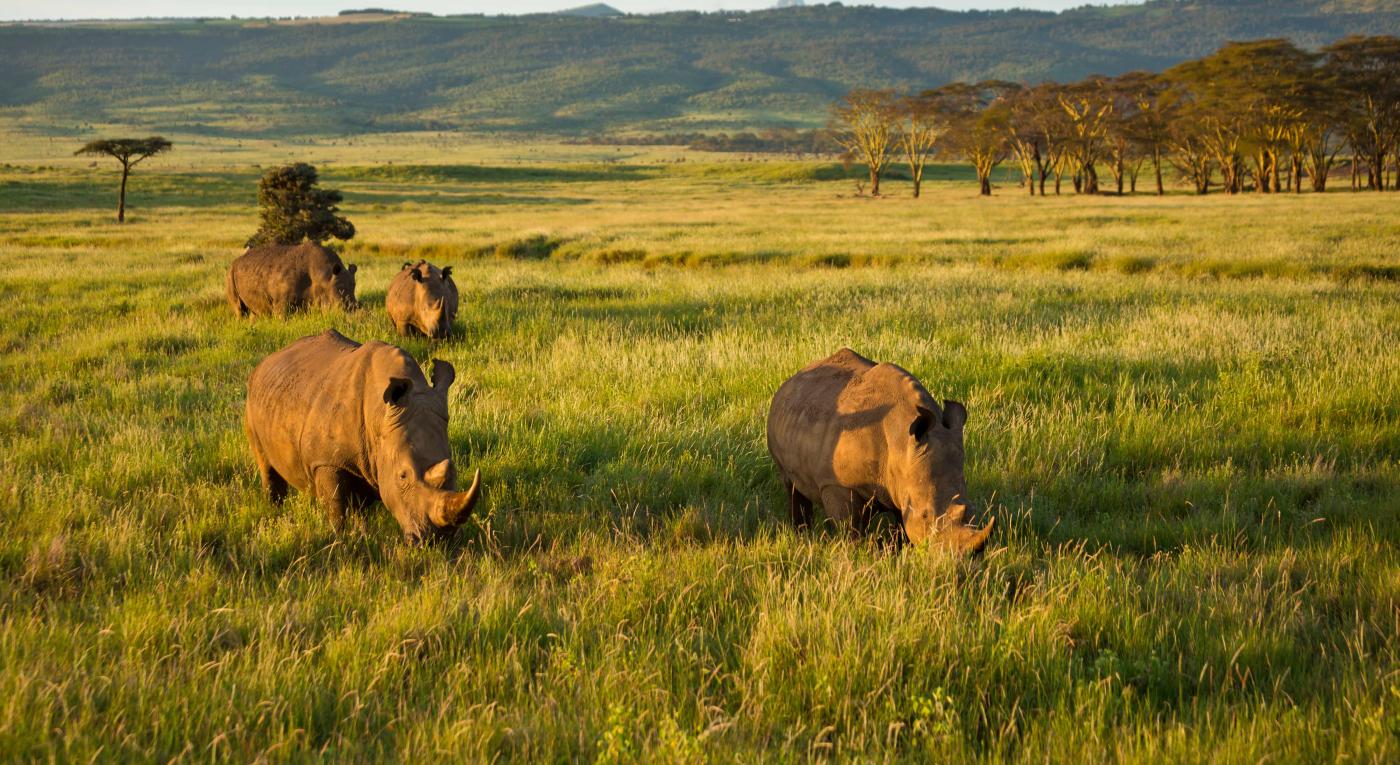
[436, 174]
[98, 190]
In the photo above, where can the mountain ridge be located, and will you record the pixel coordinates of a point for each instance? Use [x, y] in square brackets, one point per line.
[570, 75]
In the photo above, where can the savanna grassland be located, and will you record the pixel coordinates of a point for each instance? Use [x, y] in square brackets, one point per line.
[1185, 416]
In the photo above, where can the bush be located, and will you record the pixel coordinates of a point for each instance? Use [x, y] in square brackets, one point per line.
[292, 209]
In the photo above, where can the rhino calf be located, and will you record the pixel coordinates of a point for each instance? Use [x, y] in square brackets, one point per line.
[422, 298]
[353, 423]
[278, 279]
[860, 438]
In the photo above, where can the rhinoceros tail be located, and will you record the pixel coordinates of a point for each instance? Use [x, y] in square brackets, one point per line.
[235, 302]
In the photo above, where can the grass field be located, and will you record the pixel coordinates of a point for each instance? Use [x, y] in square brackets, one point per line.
[1185, 415]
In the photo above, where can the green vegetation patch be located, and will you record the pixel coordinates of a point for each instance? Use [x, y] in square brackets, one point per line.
[1194, 481]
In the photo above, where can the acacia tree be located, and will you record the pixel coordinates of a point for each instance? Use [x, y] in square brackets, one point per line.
[130, 152]
[1025, 138]
[1281, 79]
[1365, 72]
[866, 124]
[1314, 140]
[1214, 112]
[1041, 106]
[1189, 147]
[1089, 107]
[1120, 147]
[1149, 120]
[293, 208]
[978, 115]
[920, 127]
[1319, 149]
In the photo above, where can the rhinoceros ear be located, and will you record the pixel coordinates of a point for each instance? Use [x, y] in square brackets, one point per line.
[925, 420]
[353, 267]
[447, 272]
[443, 375]
[954, 415]
[397, 391]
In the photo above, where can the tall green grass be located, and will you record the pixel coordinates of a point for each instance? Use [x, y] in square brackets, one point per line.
[1195, 478]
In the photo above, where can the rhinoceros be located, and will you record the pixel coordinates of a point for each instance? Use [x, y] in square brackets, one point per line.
[278, 279]
[353, 423]
[422, 298]
[861, 438]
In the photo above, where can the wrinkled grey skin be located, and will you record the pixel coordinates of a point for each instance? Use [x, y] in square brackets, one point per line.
[275, 280]
[861, 438]
[355, 423]
[422, 299]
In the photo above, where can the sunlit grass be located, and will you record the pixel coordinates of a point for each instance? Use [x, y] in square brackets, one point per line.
[1185, 414]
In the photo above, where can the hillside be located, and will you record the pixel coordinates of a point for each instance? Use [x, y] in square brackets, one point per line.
[566, 74]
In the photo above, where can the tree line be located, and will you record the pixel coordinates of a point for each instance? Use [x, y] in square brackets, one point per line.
[1262, 115]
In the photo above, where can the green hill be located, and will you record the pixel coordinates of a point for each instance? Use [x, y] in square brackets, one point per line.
[593, 11]
[568, 74]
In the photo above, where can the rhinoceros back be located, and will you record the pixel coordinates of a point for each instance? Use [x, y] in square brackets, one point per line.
[802, 420]
[274, 279]
[306, 405]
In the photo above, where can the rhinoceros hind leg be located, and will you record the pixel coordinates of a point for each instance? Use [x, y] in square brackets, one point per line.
[276, 486]
[799, 506]
[333, 495]
[273, 482]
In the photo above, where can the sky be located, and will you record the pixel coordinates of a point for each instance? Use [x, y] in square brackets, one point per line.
[11, 10]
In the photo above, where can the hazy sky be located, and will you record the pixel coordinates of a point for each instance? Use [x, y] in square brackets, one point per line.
[89, 9]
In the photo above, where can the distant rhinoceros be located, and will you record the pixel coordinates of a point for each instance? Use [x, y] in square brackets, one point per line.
[422, 298]
[278, 279]
[860, 438]
[353, 423]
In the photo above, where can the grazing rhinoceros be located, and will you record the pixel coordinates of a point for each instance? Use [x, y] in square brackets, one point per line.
[354, 423]
[280, 278]
[861, 437]
[422, 298]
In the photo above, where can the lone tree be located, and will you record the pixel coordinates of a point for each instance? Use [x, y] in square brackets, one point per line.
[866, 124]
[129, 152]
[294, 209]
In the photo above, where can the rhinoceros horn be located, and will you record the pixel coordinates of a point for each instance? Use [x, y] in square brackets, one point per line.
[457, 505]
[978, 539]
[965, 538]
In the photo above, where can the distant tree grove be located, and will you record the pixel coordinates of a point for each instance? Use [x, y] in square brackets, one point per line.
[1262, 115]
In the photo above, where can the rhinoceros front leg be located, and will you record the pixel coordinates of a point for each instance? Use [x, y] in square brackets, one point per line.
[799, 506]
[842, 506]
[331, 491]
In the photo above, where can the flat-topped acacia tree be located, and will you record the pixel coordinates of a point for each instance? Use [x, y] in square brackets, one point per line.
[129, 152]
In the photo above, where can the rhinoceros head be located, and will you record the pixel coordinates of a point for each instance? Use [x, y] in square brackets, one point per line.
[334, 286]
[926, 480]
[417, 481]
[434, 298]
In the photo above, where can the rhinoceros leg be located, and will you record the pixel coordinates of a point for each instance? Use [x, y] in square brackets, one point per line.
[333, 495]
[799, 506]
[841, 506]
[273, 483]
